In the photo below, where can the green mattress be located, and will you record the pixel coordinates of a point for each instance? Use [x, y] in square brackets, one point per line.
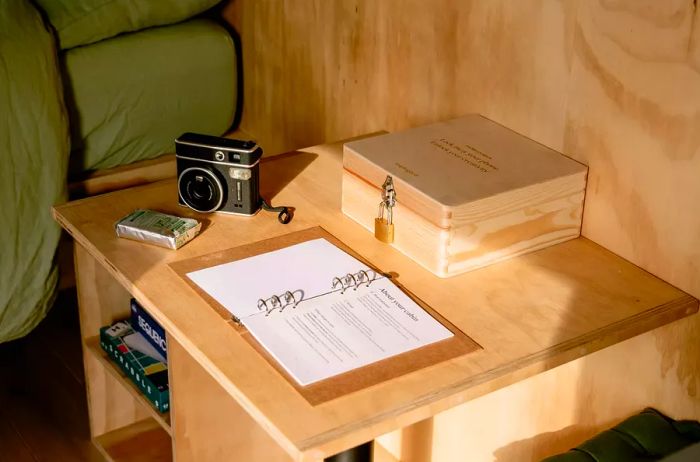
[645, 437]
[33, 157]
[110, 103]
[81, 22]
[132, 95]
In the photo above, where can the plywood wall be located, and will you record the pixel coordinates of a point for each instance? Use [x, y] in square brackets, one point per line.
[613, 83]
[634, 117]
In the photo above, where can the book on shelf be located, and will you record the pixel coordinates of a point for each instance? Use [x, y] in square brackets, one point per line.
[137, 358]
[143, 323]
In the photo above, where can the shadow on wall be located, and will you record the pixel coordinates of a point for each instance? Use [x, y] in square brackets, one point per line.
[545, 444]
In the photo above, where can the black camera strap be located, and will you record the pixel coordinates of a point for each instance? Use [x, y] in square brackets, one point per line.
[285, 213]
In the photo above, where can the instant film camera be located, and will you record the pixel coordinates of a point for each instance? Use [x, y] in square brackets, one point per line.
[218, 174]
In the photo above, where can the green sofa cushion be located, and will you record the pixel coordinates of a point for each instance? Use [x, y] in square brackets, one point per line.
[648, 436]
[34, 148]
[132, 95]
[80, 22]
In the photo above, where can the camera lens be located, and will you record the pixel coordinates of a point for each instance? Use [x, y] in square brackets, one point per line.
[200, 189]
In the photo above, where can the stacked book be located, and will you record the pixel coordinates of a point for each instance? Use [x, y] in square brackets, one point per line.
[138, 346]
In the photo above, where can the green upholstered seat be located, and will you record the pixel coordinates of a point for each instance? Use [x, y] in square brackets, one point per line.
[130, 96]
[80, 22]
[123, 98]
[34, 147]
[648, 436]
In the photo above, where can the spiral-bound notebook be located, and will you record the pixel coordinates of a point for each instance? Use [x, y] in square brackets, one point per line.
[318, 311]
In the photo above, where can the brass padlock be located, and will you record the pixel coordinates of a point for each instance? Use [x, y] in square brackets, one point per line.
[384, 226]
[383, 230]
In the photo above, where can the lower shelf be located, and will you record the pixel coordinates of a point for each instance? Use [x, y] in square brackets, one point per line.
[92, 345]
[144, 441]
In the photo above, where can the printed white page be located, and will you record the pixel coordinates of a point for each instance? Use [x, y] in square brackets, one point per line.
[336, 333]
[328, 332]
[309, 266]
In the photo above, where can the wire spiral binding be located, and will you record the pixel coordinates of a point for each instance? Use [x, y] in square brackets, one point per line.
[353, 280]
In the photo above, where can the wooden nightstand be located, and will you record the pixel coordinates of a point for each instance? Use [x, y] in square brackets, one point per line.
[529, 315]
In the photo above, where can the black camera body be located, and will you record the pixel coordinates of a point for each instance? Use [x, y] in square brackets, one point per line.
[217, 174]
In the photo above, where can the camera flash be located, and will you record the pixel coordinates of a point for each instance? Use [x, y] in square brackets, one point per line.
[239, 173]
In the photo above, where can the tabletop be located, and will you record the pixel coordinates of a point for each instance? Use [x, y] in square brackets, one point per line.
[528, 314]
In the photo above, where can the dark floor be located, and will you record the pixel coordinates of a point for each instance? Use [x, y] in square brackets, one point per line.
[43, 411]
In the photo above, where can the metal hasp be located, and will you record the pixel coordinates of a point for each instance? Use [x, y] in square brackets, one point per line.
[384, 225]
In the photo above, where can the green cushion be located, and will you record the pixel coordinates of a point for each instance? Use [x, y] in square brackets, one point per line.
[79, 22]
[645, 437]
[573, 455]
[656, 433]
[132, 95]
[612, 445]
[33, 158]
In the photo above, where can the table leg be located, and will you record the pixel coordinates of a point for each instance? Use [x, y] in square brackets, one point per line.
[361, 453]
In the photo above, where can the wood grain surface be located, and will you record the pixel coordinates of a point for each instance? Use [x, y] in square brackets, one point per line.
[208, 424]
[612, 83]
[559, 409]
[318, 70]
[635, 119]
[101, 301]
[143, 441]
[501, 227]
[529, 314]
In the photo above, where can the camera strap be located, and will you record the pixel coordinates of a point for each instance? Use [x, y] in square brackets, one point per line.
[285, 213]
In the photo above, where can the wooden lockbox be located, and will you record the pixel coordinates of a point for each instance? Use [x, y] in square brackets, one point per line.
[470, 192]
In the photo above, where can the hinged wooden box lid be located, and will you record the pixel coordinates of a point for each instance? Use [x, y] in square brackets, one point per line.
[470, 192]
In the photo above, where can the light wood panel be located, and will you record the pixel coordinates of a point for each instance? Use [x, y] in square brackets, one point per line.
[318, 71]
[142, 441]
[101, 301]
[635, 118]
[209, 425]
[614, 84]
[501, 228]
[529, 314]
[559, 409]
